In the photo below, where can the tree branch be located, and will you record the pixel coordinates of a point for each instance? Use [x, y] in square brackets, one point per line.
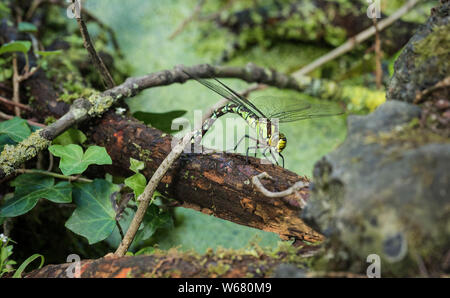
[84, 109]
[98, 62]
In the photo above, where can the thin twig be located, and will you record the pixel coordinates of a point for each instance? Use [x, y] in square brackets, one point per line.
[17, 104]
[9, 117]
[378, 55]
[34, 5]
[294, 188]
[445, 83]
[145, 198]
[119, 227]
[183, 25]
[352, 42]
[54, 175]
[98, 62]
[16, 86]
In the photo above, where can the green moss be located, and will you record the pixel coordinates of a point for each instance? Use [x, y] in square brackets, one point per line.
[220, 268]
[100, 104]
[435, 44]
[13, 156]
[49, 120]
[144, 154]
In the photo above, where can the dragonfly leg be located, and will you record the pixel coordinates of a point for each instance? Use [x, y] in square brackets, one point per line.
[264, 152]
[248, 149]
[238, 143]
[246, 136]
[274, 158]
[282, 158]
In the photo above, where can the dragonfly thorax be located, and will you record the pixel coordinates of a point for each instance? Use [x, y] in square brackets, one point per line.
[278, 141]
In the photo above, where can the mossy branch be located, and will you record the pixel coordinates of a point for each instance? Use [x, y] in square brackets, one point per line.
[84, 109]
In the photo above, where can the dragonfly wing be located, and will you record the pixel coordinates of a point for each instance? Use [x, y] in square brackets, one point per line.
[227, 93]
[290, 109]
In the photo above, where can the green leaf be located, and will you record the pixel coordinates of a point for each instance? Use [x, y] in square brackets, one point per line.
[74, 161]
[16, 128]
[4, 10]
[154, 219]
[26, 27]
[70, 136]
[137, 183]
[19, 271]
[161, 121]
[5, 140]
[16, 46]
[94, 217]
[49, 53]
[32, 187]
[136, 165]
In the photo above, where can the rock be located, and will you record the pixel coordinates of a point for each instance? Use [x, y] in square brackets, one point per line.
[384, 191]
[425, 60]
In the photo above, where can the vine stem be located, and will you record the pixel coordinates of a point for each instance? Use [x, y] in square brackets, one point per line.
[55, 175]
[146, 197]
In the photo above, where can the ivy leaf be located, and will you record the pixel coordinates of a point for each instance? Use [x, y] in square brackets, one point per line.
[94, 217]
[32, 187]
[136, 165]
[70, 136]
[154, 219]
[161, 121]
[137, 183]
[16, 46]
[26, 27]
[74, 161]
[16, 128]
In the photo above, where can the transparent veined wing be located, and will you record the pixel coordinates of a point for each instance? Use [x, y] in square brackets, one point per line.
[290, 109]
[224, 91]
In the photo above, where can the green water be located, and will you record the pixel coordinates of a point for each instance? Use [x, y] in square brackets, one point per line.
[143, 28]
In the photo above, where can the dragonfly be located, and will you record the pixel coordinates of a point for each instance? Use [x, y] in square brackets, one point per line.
[263, 114]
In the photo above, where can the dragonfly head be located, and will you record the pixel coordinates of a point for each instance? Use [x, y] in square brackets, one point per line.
[279, 141]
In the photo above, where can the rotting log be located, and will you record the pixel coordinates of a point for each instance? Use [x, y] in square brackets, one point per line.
[216, 184]
[173, 263]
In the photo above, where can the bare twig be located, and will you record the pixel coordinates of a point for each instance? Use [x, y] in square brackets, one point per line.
[445, 83]
[54, 175]
[352, 42]
[34, 5]
[378, 54]
[294, 188]
[17, 104]
[98, 62]
[16, 85]
[183, 25]
[146, 196]
[217, 14]
[8, 117]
